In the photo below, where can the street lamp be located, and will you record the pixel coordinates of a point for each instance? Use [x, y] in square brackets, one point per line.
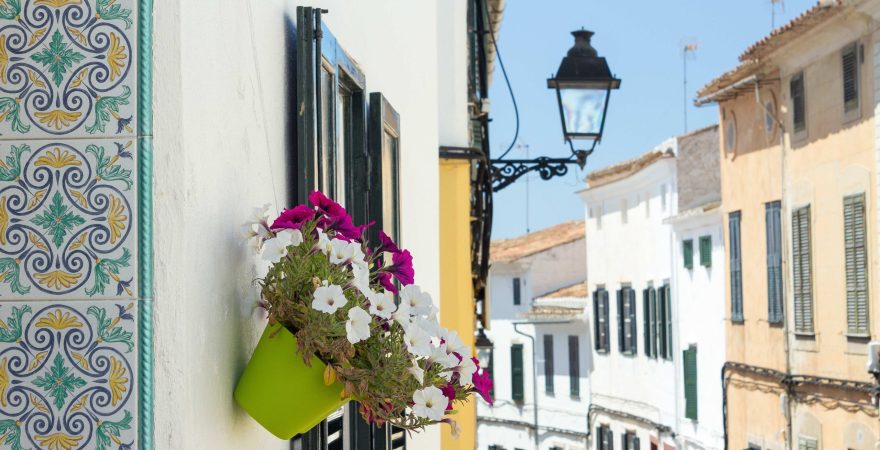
[484, 348]
[583, 86]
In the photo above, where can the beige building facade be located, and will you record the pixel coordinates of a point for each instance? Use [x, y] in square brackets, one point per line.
[799, 158]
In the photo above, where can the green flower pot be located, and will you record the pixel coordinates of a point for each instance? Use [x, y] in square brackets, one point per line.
[280, 392]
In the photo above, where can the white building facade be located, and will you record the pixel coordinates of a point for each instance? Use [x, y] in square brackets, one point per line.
[539, 335]
[698, 288]
[633, 376]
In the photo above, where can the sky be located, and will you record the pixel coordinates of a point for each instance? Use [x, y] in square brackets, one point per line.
[642, 42]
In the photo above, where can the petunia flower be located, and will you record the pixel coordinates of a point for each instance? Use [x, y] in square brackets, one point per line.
[440, 356]
[417, 372]
[386, 244]
[341, 251]
[449, 393]
[361, 280]
[276, 248]
[419, 302]
[402, 315]
[429, 403]
[294, 218]
[466, 371]
[328, 298]
[382, 304]
[454, 343]
[384, 278]
[417, 341]
[358, 258]
[401, 267]
[323, 242]
[483, 385]
[336, 218]
[357, 327]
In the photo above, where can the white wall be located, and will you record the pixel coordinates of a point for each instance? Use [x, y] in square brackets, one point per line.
[635, 252]
[220, 148]
[698, 296]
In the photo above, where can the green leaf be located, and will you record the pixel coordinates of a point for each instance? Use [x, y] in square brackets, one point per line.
[10, 9]
[10, 272]
[10, 331]
[103, 270]
[10, 434]
[58, 57]
[11, 108]
[108, 331]
[108, 428]
[107, 170]
[104, 106]
[11, 168]
[59, 382]
[57, 220]
[111, 12]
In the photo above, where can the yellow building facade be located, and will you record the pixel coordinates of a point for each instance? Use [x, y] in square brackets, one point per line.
[799, 175]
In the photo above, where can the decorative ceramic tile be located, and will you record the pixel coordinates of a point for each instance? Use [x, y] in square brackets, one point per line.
[68, 225]
[67, 68]
[68, 375]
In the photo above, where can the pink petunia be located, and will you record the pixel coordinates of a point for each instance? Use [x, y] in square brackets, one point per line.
[401, 267]
[294, 218]
[449, 392]
[483, 385]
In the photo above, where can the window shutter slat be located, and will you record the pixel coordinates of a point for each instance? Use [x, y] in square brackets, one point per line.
[548, 363]
[850, 63]
[516, 372]
[633, 325]
[574, 369]
[774, 261]
[690, 382]
[802, 270]
[856, 262]
[620, 328]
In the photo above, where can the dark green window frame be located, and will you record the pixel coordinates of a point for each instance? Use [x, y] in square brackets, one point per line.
[517, 380]
[574, 366]
[689, 361]
[548, 364]
[687, 251]
[706, 251]
[383, 187]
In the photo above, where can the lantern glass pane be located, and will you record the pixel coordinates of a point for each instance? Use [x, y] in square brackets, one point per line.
[583, 109]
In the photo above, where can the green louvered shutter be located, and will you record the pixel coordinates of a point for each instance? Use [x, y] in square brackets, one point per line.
[774, 261]
[652, 298]
[548, 363]
[706, 251]
[736, 300]
[802, 270]
[667, 295]
[633, 324]
[856, 264]
[646, 308]
[606, 322]
[621, 345]
[516, 372]
[687, 251]
[690, 382]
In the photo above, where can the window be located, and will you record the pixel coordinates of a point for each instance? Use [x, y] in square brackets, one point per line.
[850, 65]
[798, 102]
[856, 251]
[736, 300]
[626, 320]
[496, 447]
[802, 267]
[630, 441]
[665, 325]
[648, 330]
[624, 207]
[770, 116]
[604, 438]
[730, 133]
[706, 251]
[805, 443]
[574, 366]
[600, 320]
[687, 251]
[516, 373]
[773, 232]
[655, 323]
[548, 363]
[384, 150]
[516, 291]
[690, 382]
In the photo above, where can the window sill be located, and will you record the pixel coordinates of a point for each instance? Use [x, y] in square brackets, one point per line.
[737, 320]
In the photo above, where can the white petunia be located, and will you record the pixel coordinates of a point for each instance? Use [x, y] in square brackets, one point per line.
[430, 325]
[357, 327]
[358, 257]
[341, 251]
[466, 372]
[417, 372]
[454, 343]
[323, 242]
[292, 237]
[419, 302]
[328, 298]
[440, 356]
[382, 304]
[430, 403]
[261, 214]
[402, 315]
[276, 248]
[417, 341]
[361, 280]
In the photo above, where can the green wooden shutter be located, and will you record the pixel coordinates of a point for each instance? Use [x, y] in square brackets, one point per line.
[802, 270]
[663, 318]
[621, 341]
[652, 297]
[574, 366]
[606, 324]
[706, 251]
[668, 299]
[690, 382]
[597, 329]
[517, 291]
[774, 261]
[687, 251]
[856, 264]
[646, 308]
[633, 324]
[736, 300]
[516, 372]
[548, 363]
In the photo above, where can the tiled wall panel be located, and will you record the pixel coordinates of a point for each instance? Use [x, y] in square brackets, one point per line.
[69, 217]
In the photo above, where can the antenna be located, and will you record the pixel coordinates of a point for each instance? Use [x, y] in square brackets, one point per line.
[773, 4]
[688, 50]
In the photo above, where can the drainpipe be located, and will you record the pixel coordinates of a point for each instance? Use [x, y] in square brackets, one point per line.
[535, 370]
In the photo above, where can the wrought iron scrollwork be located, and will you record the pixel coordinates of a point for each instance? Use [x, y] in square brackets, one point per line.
[506, 171]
